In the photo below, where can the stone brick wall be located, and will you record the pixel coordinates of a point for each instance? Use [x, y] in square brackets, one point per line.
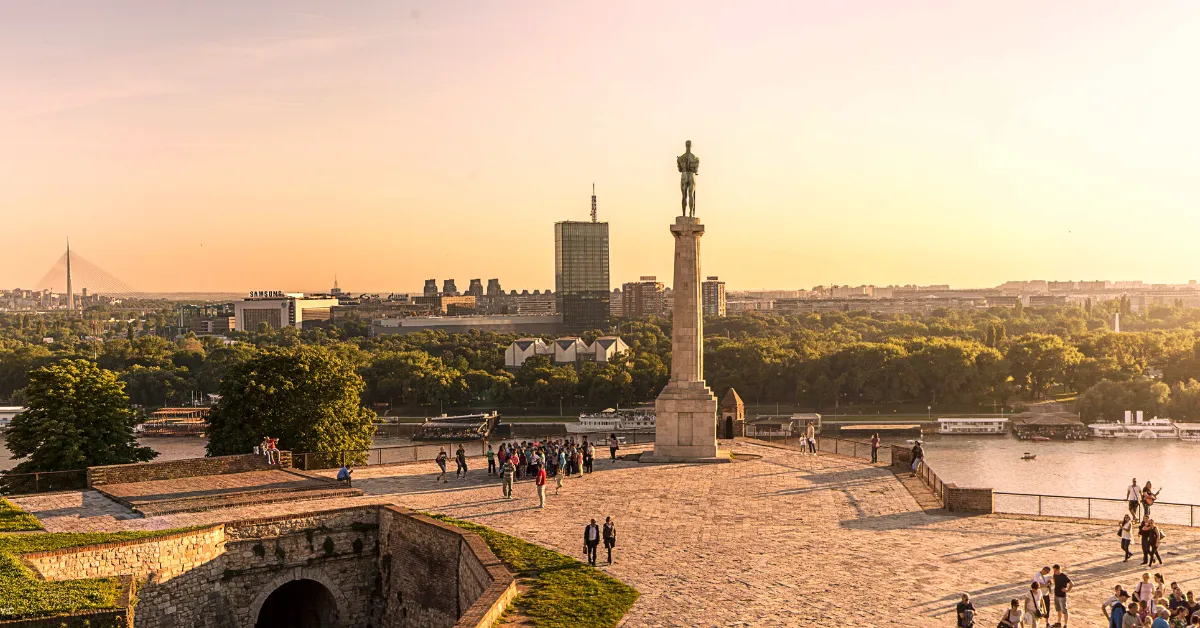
[384, 566]
[435, 575]
[189, 468]
[159, 558]
[901, 458]
[971, 500]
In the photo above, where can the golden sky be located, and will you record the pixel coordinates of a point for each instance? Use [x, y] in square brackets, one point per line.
[231, 145]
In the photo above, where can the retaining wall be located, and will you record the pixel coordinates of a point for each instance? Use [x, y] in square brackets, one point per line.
[188, 468]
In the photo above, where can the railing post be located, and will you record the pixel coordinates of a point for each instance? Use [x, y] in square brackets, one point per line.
[1039, 505]
[835, 446]
[1191, 516]
[1089, 502]
[37, 485]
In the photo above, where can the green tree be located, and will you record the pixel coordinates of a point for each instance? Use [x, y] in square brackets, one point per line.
[78, 417]
[1108, 401]
[305, 396]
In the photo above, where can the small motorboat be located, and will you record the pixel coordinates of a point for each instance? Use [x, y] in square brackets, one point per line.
[1028, 456]
[1039, 439]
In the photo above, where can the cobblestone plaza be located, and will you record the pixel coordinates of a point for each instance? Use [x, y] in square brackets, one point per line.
[783, 540]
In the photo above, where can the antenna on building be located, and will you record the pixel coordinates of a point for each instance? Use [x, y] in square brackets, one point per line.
[70, 290]
[593, 202]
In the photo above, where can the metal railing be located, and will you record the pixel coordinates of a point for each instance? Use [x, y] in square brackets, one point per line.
[828, 444]
[1089, 508]
[931, 479]
[42, 482]
[428, 451]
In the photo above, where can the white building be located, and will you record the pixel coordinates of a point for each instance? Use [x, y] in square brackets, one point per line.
[280, 309]
[524, 348]
[562, 351]
[605, 348]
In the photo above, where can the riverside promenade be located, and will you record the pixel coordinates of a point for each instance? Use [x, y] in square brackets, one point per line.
[782, 540]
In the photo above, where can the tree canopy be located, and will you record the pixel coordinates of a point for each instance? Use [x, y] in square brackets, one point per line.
[306, 396]
[78, 417]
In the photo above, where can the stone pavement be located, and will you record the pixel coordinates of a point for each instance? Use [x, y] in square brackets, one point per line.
[785, 540]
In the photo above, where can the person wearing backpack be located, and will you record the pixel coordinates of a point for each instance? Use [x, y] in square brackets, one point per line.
[965, 612]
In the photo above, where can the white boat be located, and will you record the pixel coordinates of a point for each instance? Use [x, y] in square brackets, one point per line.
[1188, 431]
[1153, 428]
[610, 420]
[973, 426]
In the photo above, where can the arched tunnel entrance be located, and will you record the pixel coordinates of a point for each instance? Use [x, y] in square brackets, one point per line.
[299, 604]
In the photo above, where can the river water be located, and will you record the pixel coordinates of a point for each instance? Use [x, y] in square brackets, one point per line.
[1091, 468]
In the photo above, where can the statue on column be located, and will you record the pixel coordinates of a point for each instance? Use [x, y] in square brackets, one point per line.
[688, 165]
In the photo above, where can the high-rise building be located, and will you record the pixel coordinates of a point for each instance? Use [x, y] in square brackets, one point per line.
[431, 288]
[713, 297]
[645, 297]
[448, 288]
[493, 288]
[475, 289]
[581, 273]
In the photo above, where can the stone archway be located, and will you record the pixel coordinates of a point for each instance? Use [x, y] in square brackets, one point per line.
[319, 601]
[729, 426]
[298, 604]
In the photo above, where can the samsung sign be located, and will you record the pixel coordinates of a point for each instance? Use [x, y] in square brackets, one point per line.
[267, 294]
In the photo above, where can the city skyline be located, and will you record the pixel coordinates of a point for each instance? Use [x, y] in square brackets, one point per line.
[854, 144]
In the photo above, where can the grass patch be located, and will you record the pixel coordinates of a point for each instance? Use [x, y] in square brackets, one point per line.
[13, 519]
[23, 596]
[563, 592]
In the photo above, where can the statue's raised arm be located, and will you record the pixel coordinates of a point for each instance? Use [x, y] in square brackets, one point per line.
[689, 166]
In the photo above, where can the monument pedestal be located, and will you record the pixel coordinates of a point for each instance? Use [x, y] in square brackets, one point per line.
[686, 410]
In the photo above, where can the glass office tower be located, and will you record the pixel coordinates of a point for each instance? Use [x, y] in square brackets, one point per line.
[581, 274]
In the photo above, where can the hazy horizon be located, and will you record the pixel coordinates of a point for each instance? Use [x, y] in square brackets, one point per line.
[227, 146]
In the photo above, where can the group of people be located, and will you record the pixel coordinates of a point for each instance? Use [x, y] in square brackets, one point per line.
[593, 534]
[1151, 536]
[537, 460]
[1151, 603]
[1047, 595]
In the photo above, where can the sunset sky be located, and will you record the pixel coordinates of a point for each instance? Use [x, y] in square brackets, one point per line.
[235, 145]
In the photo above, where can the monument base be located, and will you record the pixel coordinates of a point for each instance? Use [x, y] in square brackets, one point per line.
[685, 425]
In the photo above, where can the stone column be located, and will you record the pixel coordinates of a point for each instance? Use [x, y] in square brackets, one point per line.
[686, 410]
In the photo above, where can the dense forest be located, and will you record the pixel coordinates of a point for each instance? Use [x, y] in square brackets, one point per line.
[953, 360]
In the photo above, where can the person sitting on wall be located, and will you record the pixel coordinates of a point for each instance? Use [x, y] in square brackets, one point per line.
[343, 474]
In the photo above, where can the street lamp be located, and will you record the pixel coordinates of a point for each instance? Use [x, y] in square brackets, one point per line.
[928, 413]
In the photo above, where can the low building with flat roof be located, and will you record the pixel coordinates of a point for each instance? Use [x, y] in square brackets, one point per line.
[280, 309]
[502, 324]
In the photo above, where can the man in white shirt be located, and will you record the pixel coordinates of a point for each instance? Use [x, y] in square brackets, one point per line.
[1106, 607]
[1044, 582]
[1134, 496]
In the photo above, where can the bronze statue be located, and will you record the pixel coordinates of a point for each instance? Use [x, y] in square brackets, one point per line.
[688, 165]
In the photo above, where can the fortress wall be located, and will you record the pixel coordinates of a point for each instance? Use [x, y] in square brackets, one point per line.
[188, 468]
[161, 558]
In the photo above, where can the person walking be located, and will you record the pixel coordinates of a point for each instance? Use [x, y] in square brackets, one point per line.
[610, 536]
[1133, 494]
[540, 482]
[1151, 536]
[507, 471]
[460, 461]
[589, 456]
[1149, 495]
[491, 458]
[562, 471]
[875, 448]
[441, 463]
[1126, 534]
[811, 434]
[591, 539]
[613, 446]
[1062, 586]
